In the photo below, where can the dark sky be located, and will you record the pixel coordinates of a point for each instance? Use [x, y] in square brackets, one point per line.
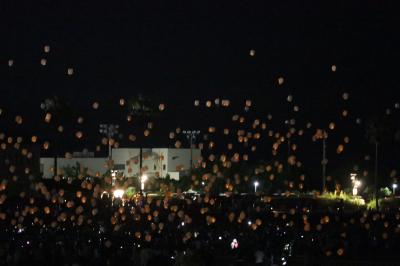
[199, 47]
[178, 51]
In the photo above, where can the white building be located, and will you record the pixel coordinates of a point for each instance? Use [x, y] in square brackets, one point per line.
[158, 162]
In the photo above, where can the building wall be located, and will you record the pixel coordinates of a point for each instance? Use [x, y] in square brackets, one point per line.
[96, 166]
[156, 162]
[179, 159]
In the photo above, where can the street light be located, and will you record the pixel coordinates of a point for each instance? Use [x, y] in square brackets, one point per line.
[356, 183]
[255, 186]
[143, 179]
[191, 136]
[109, 130]
[118, 193]
[394, 186]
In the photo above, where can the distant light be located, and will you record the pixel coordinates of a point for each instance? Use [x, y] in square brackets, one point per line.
[220, 238]
[118, 193]
[394, 186]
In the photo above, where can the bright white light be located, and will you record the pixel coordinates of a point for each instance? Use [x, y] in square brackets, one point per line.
[118, 193]
[220, 237]
[394, 186]
[256, 185]
[143, 178]
[357, 183]
[249, 222]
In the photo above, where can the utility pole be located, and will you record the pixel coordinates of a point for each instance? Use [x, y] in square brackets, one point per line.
[376, 176]
[109, 130]
[324, 160]
[191, 135]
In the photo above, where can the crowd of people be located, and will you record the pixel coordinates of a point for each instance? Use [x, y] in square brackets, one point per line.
[61, 223]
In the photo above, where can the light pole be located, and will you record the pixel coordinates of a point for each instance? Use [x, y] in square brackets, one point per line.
[324, 161]
[109, 130]
[256, 184]
[356, 183]
[191, 135]
[143, 179]
[394, 186]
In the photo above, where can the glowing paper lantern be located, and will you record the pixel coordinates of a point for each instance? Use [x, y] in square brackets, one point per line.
[43, 61]
[161, 107]
[281, 80]
[252, 52]
[79, 134]
[70, 71]
[95, 105]
[46, 48]
[10, 62]
[333, 68]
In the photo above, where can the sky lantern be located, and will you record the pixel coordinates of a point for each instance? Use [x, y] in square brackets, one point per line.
[208, 104]
[46, 48]
[252, 52]
[122, 102]
[10, 62]
[340, 148]
[289, 98]
[161, 107]
[178, 144]
[79, 134]
[18, 119]
[132, 137]
[248, 103]
[332, 126]
[345, 96]
[146, 133]
[333, 68]
[46, 145]
[47, 117]
[43, 61]
[196, 103]
[281, 80]
[95, 105]
[225, 103]
[60, 128]
[70, 71]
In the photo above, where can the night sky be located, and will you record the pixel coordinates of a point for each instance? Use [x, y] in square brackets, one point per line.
[179, 51]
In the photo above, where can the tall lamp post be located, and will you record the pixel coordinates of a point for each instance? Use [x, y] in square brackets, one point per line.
[324, 161]
[109, 130]
[191, 135]
[256, 184]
